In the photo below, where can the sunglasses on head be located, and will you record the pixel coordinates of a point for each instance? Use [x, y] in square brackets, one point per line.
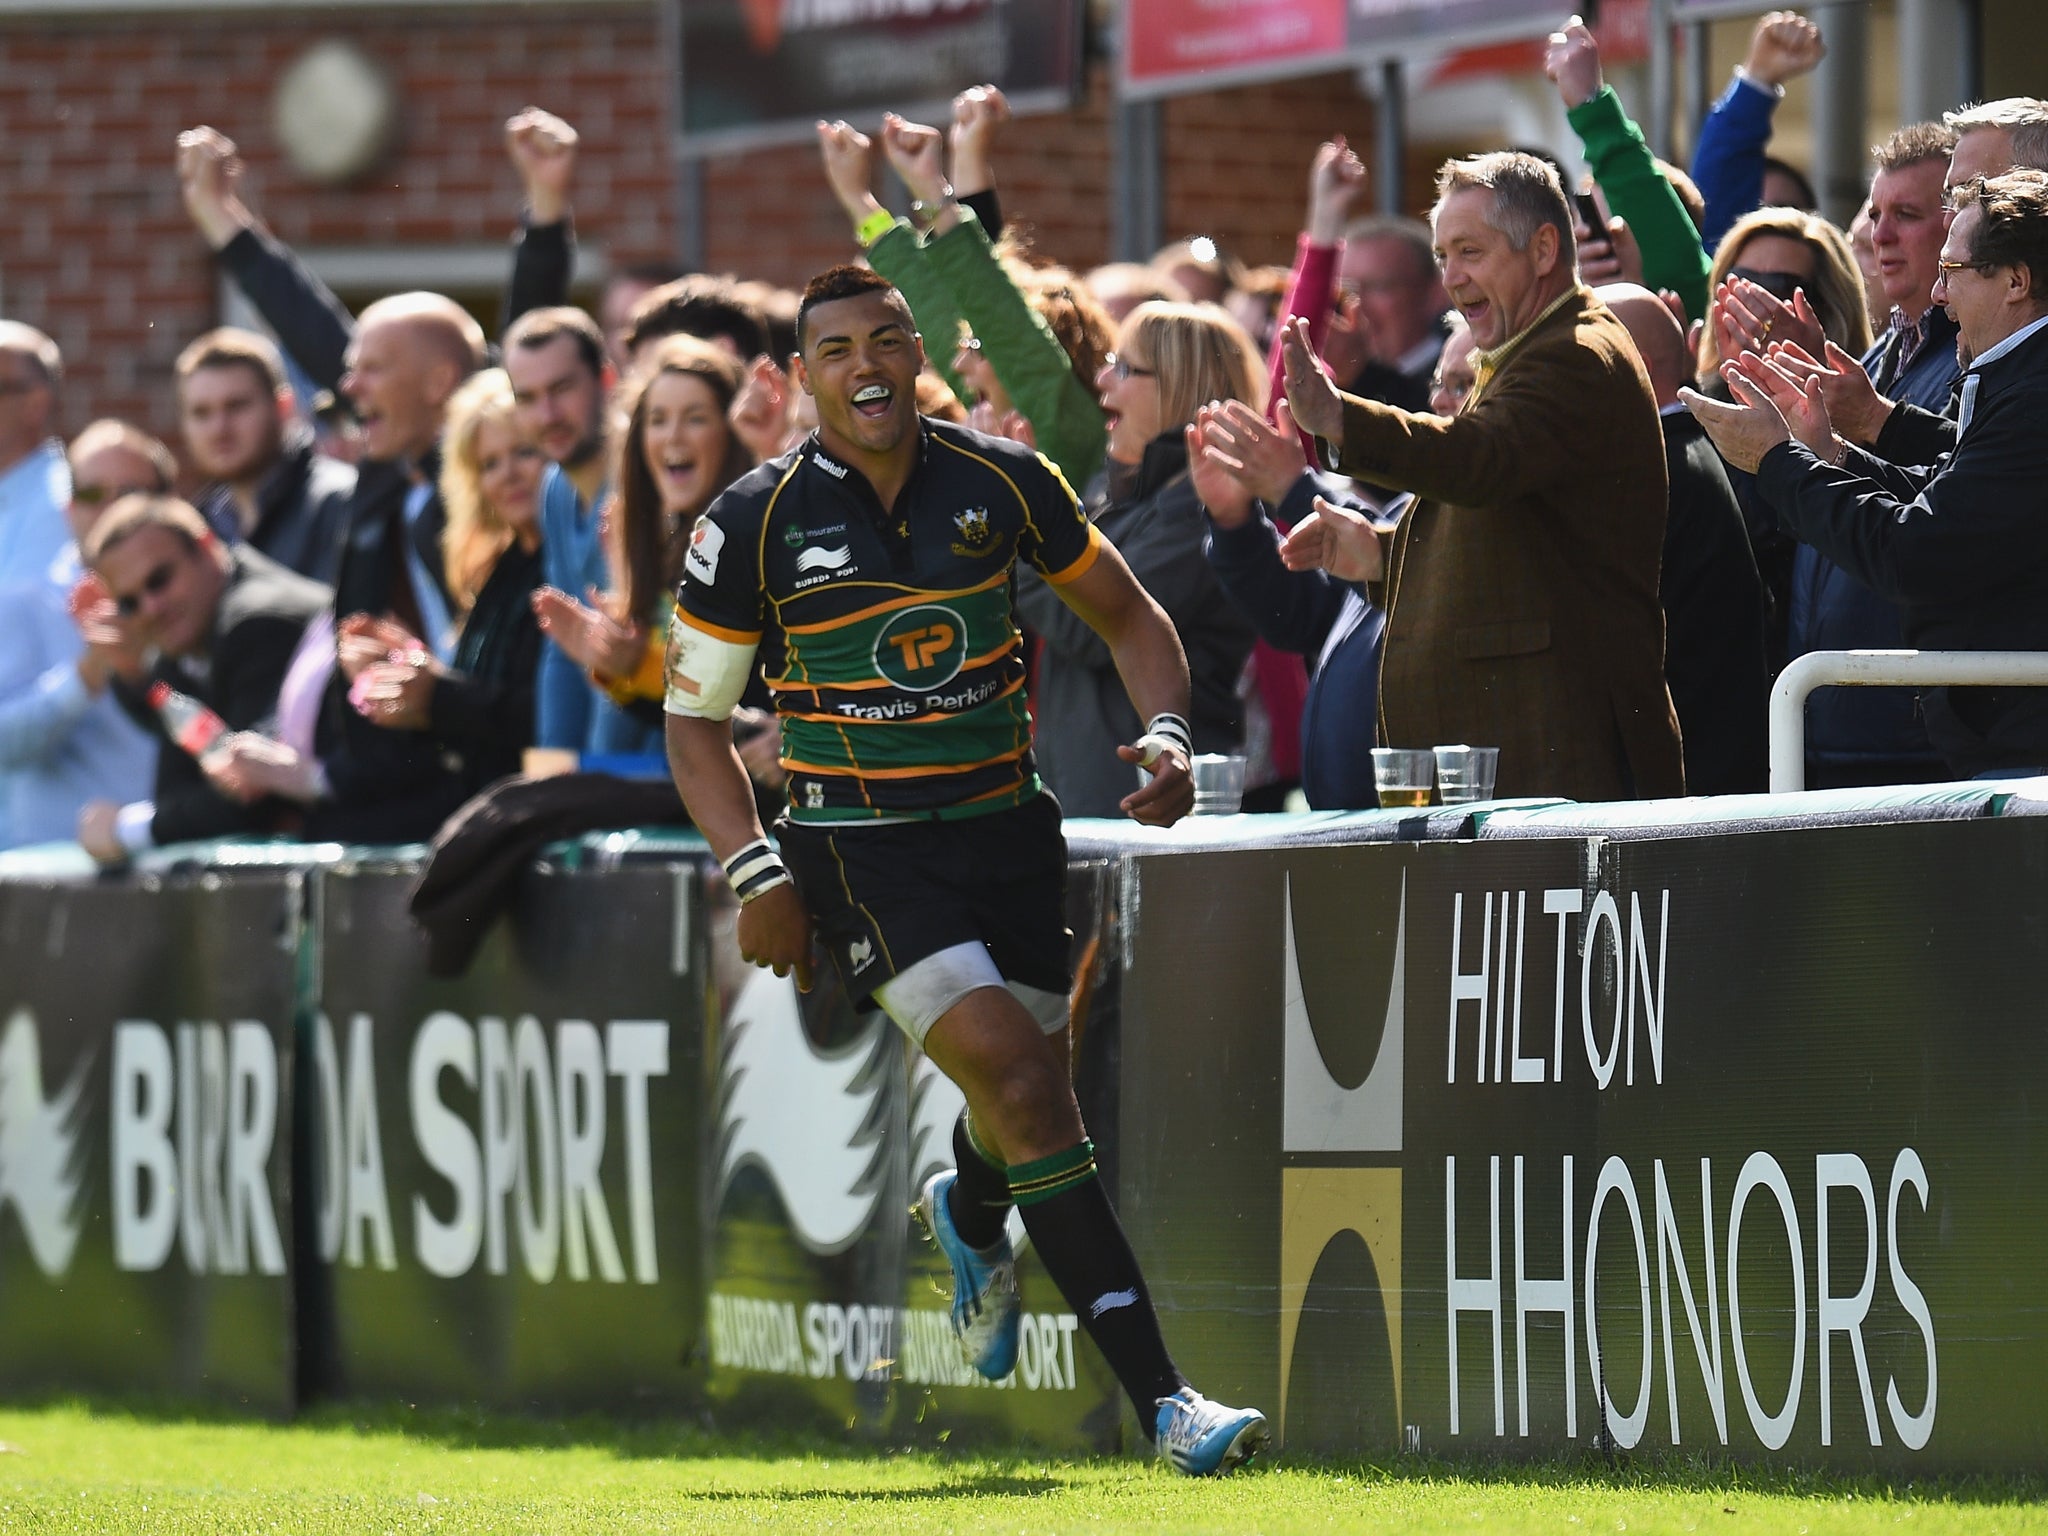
[1779, 285]
[160, 577]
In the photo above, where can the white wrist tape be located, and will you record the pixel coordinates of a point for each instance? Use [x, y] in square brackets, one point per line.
[1163, 731]
[755, 870]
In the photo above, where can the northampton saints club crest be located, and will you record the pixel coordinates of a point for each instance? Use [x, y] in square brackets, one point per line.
[976, 536]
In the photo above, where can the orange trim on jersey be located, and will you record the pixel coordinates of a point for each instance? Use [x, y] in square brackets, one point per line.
[1082, 562]
[913, 600]
[920, 770]
[718, 631]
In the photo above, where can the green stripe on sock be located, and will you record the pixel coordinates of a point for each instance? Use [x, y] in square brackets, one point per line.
[1048, 1176]
[980, 1147]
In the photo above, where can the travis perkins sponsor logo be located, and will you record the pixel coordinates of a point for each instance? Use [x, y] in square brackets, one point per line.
[932, 703]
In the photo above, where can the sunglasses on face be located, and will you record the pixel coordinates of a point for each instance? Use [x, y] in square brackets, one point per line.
[1779, 285]
[131, 603]
[106, 495]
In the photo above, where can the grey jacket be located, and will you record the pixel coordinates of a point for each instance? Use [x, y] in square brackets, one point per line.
[1082, 712]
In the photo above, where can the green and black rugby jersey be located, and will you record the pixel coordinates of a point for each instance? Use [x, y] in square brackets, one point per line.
[887, 638]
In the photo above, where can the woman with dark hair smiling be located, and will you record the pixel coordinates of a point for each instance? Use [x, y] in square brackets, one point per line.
[677, 452]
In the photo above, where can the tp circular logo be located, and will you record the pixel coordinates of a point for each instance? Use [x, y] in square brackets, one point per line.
[921, 647]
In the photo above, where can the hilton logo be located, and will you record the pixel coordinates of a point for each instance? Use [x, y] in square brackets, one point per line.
[1323, 1119]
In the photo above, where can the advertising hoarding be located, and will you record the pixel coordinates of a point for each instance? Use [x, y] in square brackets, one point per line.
[764, 71]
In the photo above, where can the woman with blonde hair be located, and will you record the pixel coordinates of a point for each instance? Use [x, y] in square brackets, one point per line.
[1170, 361]
[478, 705]
[1782, 275]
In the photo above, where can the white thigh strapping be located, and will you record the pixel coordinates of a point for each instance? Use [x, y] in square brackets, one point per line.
[919, 997]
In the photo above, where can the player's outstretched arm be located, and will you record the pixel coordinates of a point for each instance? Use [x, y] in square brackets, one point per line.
[1154, 668]
[774, 925]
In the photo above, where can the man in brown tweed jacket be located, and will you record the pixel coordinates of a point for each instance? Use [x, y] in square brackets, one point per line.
[1521, 590]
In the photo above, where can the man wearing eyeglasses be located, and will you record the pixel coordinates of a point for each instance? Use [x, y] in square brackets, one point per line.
[224, 623]
[63, 739]
[1961, 545]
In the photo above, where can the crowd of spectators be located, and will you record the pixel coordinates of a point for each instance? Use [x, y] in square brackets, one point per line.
[1572, 469]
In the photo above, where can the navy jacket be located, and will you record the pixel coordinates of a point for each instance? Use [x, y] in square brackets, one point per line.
[1334, 626]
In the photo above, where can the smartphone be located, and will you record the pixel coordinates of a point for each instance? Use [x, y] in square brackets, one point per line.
[1589, 214]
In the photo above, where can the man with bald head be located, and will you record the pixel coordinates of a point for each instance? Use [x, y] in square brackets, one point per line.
[397, 367]
[1712, 595]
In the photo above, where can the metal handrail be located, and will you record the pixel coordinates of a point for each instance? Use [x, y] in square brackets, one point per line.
[1878, 669]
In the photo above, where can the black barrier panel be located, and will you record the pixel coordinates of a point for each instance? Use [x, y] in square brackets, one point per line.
[1851, 1094]
[145, 1136]
[1319, 1133]
[514, 1211]
[826, 1306]
[1731, 1144]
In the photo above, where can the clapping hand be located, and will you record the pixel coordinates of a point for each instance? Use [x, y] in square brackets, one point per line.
[1011, 424]
[246, 767]
[1857, 410]
[364, 640]
[112, 645]
[1801, 402]
[1315, 401]
[1742, 433]
[760, 415]
[1215, 475]
[1337, 540]
[587, 634]
[1747, 318]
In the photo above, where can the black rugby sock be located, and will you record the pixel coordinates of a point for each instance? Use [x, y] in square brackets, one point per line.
[1067, 1212]
[979, 1201]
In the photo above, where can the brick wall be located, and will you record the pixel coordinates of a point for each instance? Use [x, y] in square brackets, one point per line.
[95, 247]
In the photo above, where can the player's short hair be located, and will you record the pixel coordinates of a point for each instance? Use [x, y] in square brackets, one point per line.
[2025, 118]
[539, 328]
[232, 347]
[836, 283]
[708, 307]
[2014, 230]
[109, 433]
[131, 514]
[1914, 144]
[1527, 194]
[36, 350]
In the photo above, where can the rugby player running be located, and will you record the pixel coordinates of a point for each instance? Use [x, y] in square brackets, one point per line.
[867, 573]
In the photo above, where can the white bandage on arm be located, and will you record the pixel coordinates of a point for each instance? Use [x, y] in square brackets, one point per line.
[706, 673]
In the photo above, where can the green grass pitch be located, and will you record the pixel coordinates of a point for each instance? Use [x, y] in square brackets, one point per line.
[71, 1466]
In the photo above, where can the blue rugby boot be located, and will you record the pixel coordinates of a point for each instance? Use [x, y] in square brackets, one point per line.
[1204, 1439]
[985, 1303]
